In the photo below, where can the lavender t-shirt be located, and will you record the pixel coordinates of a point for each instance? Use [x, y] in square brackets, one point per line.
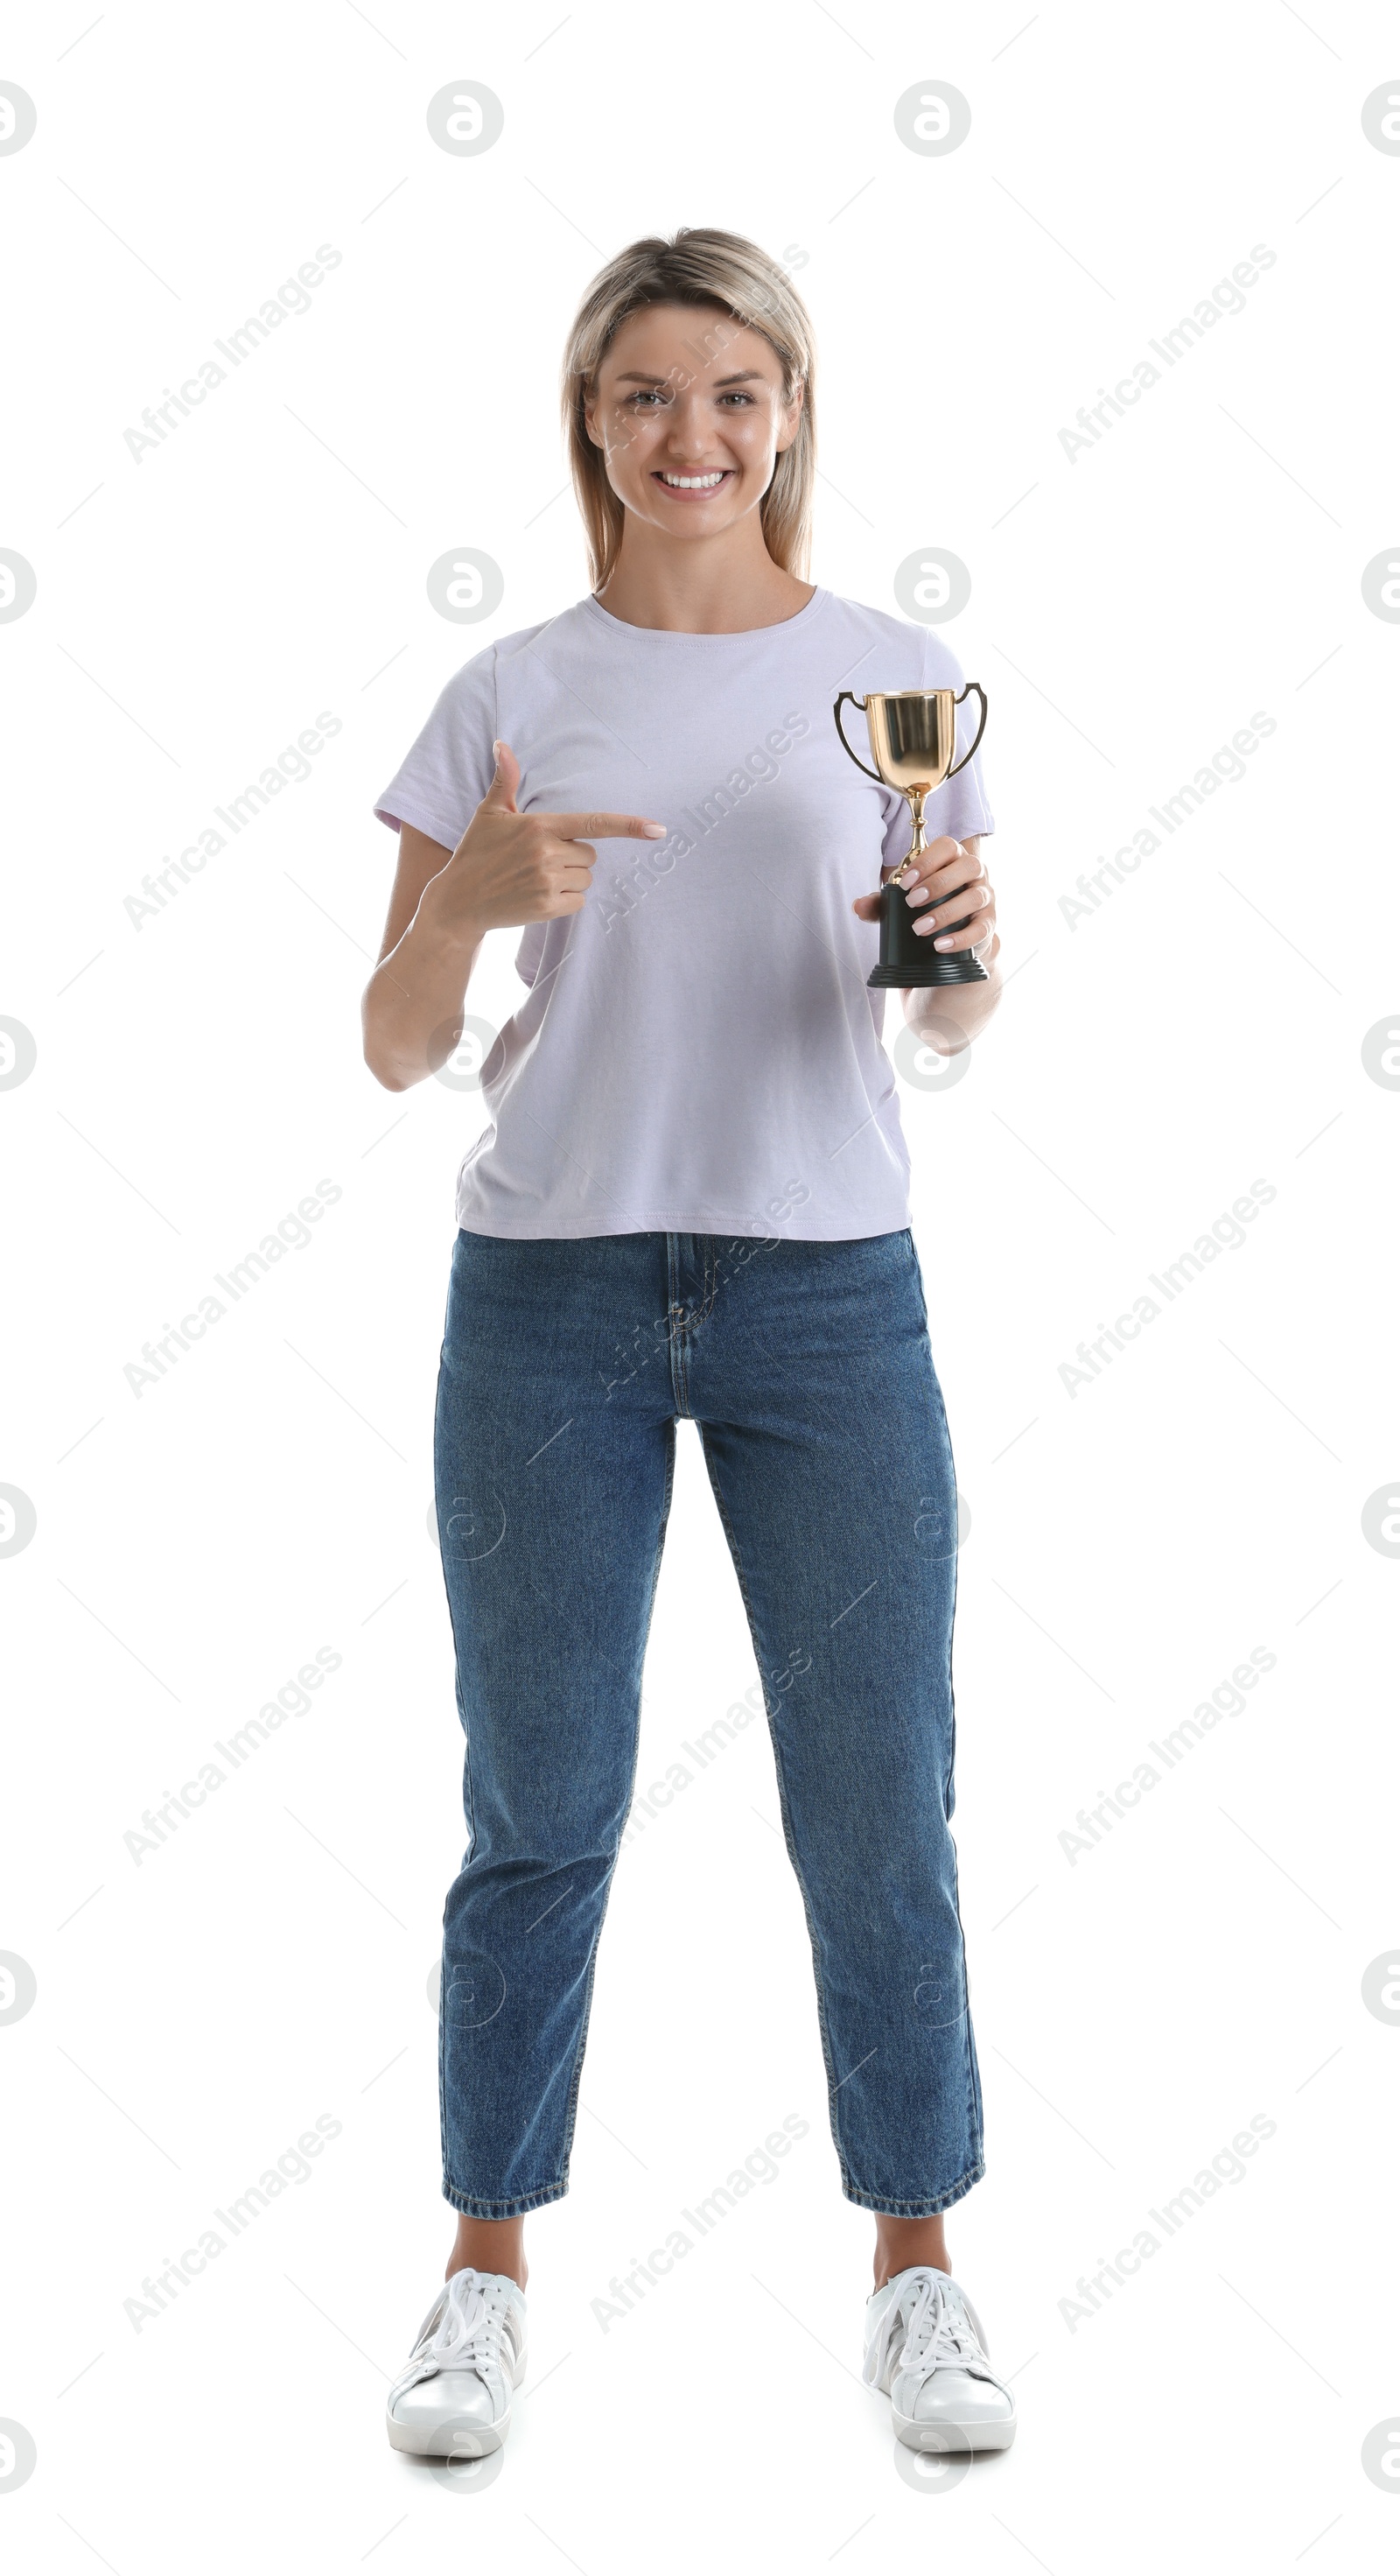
[698, 1050]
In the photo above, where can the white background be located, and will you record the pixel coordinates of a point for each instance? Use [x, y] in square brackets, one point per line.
[1128, 1545]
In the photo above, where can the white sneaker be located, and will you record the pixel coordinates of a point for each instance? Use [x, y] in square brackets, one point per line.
[924, 2345]
[452, 2401]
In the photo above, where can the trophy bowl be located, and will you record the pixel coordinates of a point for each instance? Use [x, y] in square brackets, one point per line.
[913, 742]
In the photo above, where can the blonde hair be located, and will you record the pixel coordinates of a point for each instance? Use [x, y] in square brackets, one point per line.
[702, 267]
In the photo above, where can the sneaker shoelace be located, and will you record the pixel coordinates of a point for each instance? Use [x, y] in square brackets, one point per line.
[936, 2330]
[462, 2331]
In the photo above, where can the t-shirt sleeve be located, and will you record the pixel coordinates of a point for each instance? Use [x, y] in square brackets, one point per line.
[529, 956]
[960, 805]
[440, 784]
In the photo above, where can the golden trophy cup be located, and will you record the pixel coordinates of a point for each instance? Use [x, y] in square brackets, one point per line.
[913, 738]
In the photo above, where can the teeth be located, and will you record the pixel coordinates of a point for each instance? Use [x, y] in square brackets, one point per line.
[693, 482]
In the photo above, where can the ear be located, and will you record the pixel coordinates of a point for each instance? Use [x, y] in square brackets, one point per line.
[590, 417]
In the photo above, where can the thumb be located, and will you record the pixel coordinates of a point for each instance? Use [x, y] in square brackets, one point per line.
[505, 779]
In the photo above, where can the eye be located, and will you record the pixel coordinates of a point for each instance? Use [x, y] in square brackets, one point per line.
[645, 394]
[738, 395]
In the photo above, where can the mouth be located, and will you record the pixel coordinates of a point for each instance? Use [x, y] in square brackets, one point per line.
[695, 487]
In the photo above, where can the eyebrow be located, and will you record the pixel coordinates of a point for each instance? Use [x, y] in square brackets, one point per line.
[744, 376]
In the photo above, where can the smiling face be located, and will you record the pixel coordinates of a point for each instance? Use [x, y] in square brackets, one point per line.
[688, 409]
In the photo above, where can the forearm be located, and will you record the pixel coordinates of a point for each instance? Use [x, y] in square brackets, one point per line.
[415, 995]
[936, 1011]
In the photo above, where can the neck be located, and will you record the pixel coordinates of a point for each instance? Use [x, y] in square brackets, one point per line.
[715, 586]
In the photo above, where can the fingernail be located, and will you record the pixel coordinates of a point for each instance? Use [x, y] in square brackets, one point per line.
[496, 750]
[917, 894]
[943, 943]
[654, 832]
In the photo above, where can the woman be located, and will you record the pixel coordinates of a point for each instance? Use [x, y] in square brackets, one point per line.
[700, 1217]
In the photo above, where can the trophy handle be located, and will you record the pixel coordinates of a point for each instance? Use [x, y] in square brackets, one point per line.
[850, 755]
[973, 687]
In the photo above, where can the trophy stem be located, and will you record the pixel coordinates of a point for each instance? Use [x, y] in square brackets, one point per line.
[918, 845]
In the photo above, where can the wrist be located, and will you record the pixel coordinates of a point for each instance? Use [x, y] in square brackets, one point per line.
[454, 932]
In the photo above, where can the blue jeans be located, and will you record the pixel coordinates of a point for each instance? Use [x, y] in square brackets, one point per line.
[565, 1367]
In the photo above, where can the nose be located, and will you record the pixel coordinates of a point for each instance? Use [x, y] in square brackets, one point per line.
[689, 433]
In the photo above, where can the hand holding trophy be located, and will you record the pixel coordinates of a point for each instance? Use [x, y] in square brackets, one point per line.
[913, 738]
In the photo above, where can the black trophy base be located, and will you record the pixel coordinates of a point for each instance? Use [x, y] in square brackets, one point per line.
[908, 959]
[961, 968]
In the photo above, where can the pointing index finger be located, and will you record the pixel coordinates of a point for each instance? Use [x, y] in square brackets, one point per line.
[605, 827]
